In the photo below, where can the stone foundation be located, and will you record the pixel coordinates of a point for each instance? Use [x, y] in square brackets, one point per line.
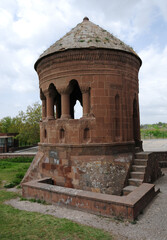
[99, 168]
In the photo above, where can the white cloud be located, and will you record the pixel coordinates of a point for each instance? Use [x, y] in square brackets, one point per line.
[29, 27]
[162, 5]
[153, 84]
[5, 18]
[126, 18]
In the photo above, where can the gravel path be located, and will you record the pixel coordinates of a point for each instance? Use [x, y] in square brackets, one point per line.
[151, 225]
[155, 145]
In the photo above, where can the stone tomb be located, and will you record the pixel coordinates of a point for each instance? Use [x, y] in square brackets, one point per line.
[94, 153]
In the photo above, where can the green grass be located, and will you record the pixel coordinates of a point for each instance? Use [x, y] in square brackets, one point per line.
[19, 159]
[16, 224]
[33, 200]
[12, 170]
[22, 225]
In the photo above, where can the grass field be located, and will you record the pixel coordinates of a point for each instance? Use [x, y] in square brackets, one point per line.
[21, 225]
[12, 170]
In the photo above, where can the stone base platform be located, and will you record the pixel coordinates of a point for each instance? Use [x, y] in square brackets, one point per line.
[128, 207]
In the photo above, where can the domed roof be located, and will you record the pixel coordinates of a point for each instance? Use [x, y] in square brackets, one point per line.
[87, 35]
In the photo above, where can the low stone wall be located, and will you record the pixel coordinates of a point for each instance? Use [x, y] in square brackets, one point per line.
[162, 158]
[153, 170]
[14, 149]
[155, 159]
[128, 207]
[13, 155]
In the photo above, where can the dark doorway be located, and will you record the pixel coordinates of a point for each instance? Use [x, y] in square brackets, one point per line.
[74, 96]
[57, 100]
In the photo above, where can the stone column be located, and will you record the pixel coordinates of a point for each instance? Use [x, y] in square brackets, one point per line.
[43, 99]
[43, 109]
[49, 105]
[65, 102]
[85, 100]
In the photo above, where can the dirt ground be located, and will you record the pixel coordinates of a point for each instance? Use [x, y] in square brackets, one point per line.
[155, 145]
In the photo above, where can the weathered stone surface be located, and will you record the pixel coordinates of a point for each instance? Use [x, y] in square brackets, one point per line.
[95, 152]
[87, 35]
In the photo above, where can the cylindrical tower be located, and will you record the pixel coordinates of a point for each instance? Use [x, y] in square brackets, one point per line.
[94, 152]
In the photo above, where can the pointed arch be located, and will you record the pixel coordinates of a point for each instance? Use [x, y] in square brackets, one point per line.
[43, 99]
[56, 108]
[74, 96]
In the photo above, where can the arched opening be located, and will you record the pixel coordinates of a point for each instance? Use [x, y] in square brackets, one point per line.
[43, 98]
[117, 117]
[78, 110]
[62, 134]
[45, 133]
[86, 135]
[56, 100]
[74, 96]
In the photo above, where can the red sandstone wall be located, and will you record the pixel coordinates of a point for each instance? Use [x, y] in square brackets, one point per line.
[102, 204]
[95, 152]
[108, 74]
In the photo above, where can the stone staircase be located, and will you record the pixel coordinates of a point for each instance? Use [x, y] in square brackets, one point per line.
[137, 173]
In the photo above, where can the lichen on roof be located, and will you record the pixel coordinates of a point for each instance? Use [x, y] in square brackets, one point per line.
[87, 35]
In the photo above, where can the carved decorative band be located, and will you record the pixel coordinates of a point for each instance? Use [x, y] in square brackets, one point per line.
[89, 55]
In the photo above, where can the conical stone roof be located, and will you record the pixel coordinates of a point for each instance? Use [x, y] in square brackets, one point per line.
[87, 35]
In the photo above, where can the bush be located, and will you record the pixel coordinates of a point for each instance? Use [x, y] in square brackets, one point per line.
[4, 165]
[20, 175]
[19, 159]
[10, 185]
[16, 181]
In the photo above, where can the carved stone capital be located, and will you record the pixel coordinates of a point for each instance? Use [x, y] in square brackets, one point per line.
[84, 88]
[49, 93]
[64, 90]
[42, 96]
[46, 93]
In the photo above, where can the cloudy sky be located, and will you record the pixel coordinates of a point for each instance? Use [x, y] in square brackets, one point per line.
[28, 27]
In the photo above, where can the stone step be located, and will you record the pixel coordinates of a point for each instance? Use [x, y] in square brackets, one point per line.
[128, 189]
[137, 175]
[141, 155]
[137, 149]
[138, 168]
[135, 182]
[141, 162]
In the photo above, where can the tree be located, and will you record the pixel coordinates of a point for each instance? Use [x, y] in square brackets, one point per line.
[6, 124]
[26, 124]
[29, 131]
